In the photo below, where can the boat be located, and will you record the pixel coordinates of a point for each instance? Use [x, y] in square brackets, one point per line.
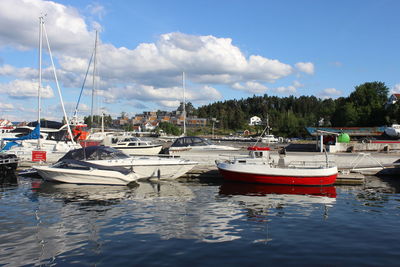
[83, 172]
[269, 138]
[259, 168]
[145, 167]
[197, 144]
[132, 145]
[6, 126]
[393, 131]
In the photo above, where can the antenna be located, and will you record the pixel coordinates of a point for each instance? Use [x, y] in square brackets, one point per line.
[40, 71]
[94, 78]
[184, 104]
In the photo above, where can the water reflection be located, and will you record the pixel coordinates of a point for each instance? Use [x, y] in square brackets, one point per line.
[8, 178]
[260, 199]
[84, 195]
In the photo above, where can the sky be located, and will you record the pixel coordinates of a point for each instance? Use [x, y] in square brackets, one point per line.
[228, 49]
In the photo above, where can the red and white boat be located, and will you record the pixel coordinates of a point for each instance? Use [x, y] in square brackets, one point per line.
[259, 168]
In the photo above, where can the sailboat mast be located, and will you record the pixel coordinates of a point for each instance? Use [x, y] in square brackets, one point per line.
[94, 78]
[184, 104]
[40, 72]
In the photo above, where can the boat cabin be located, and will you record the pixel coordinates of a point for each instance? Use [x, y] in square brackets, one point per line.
[188, 141]
[258, 152]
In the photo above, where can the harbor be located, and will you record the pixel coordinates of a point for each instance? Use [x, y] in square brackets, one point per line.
[199, 133]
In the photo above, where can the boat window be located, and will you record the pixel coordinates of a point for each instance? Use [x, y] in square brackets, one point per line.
[258, 154]
[132, 144]
[178, 142]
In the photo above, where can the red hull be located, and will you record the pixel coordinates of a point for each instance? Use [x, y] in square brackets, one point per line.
[280, 180]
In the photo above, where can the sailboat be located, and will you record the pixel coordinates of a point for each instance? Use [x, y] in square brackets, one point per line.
[32, 149]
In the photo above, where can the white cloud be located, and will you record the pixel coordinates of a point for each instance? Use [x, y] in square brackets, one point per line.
[396, 89]
[330, 93]
[250, 87]
[286, 89]
[163, 96]
[297, 84]
[25, 89]
[306, 67]
[97, 10]
[66, 28]
[6, 107]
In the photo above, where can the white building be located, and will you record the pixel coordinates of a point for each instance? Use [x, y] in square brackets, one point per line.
[255, 120]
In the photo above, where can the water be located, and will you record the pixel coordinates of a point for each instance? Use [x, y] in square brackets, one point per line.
[198, 224]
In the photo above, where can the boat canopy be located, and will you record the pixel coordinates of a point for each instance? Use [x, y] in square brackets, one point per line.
[94, 153]
[190, 141]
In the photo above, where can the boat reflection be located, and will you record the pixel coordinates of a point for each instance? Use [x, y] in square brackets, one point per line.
[84, 194]
[108, 195]
[231, 188]
[263, 201]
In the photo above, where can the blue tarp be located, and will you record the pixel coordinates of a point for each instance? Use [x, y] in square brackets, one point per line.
[35, 134]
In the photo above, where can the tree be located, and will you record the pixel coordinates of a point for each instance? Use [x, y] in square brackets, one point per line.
[369, 101]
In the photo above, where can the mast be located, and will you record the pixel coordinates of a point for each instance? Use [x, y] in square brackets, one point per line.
[184, 104]
[94, 78]
[40, 72]
[58, 85]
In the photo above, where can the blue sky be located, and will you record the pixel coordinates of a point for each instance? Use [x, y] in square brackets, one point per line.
[228, 49]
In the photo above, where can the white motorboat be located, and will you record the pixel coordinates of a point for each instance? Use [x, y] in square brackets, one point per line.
[132, 145]
[81, 172]
[269, 138]
[259, 168]
[393, 131]
[197, 144]
[145, 167]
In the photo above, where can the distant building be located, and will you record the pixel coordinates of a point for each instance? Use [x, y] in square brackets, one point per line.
[255, 121]
[392, 100]
[196, 122]
[150, 126]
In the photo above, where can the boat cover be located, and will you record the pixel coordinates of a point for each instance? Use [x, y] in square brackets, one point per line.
[94, 153]
[96, 166]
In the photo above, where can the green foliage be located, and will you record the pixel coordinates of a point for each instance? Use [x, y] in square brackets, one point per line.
[369, 101]
[169, 128]
[97, 121]
[288, 116]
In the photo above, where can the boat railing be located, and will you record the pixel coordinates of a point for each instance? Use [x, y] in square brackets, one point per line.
[310, 164]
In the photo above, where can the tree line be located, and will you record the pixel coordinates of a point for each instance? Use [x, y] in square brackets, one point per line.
[288, 116]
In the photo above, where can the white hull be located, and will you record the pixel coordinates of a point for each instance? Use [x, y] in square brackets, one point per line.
[276, 171]
[152, 167]
[139, 150]
[74, 176]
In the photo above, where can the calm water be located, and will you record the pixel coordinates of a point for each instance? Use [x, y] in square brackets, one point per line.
[199, 224]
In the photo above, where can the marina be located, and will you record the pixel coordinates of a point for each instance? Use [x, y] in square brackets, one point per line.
[139, 133]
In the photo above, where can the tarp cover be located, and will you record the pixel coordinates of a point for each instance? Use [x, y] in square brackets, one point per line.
[94, 153]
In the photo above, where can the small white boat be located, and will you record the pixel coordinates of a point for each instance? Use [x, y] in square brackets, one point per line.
[197, 144]
[393, 131]
[81, 172]
[134, 146]
[258, 168]
[269, 138]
